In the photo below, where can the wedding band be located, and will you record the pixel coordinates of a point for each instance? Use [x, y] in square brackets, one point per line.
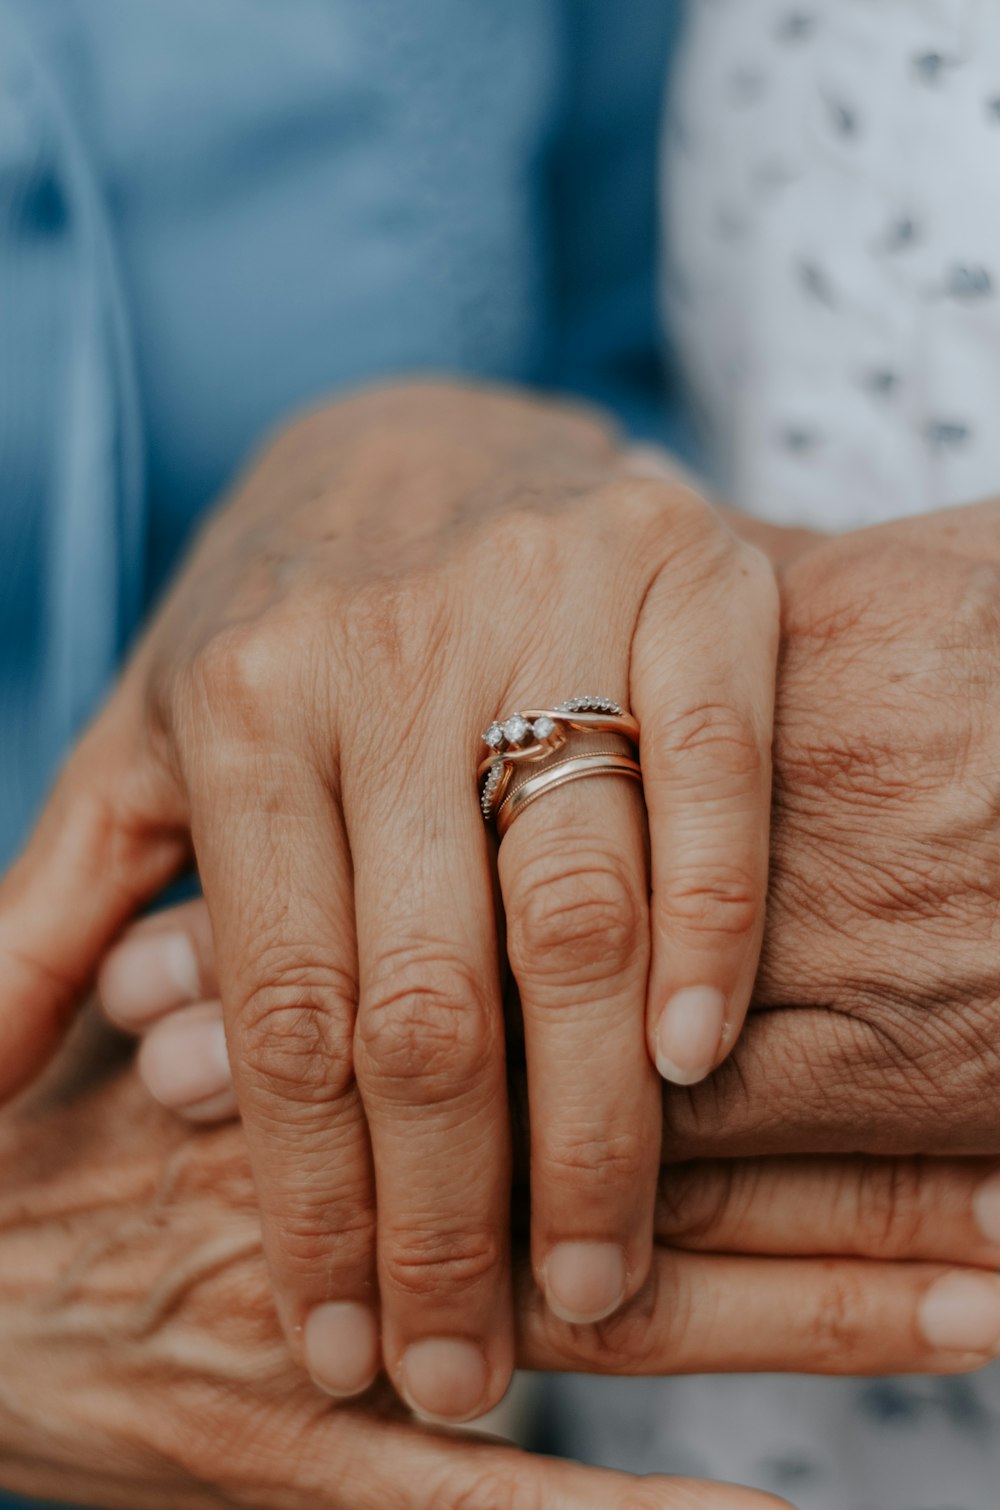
[574, 768]
[561, 742]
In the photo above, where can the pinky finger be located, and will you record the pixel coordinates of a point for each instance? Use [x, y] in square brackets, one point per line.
[706, 714]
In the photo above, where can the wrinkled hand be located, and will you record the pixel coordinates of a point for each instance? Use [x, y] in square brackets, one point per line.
[144, 1367]
[881, 968]
[397, 570]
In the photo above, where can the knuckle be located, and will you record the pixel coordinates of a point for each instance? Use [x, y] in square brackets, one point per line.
[667, 500]
[240, 664]
[887, 1206]
[575, 921]
[421, 1264]
[714, 903]
[724, 740]
[492, 1489]
[424, 1026]
[295, 1035]
[612, 1161]
[324, 1234]
[838, 1321]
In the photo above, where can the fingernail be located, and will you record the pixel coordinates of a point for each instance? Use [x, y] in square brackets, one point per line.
[689, 1033]
[584, 1282]
[148, 975]
[986, 1208]
[445, 1378]
[342, 1347]
[184, 1060]
[961, 1314]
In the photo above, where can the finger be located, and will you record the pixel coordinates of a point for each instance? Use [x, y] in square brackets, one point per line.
[400, 1465]
[704, 696]
[935, 1210]
[157, 965]
[430, 1064]
[706, 1313]
[110, 837]
[184, 1063]
[814, 1080]
[276, 874]
[574, 882]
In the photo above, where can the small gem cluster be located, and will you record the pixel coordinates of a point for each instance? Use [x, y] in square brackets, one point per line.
[516, 731]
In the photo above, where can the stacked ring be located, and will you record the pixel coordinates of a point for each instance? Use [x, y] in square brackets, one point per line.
[537, 750]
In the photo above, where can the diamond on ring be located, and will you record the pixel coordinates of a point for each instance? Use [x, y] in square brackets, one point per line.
[516, 729]
[538, 735]
[590, 705]
[493, 779]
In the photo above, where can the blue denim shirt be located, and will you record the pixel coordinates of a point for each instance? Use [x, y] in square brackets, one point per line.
[214, 211]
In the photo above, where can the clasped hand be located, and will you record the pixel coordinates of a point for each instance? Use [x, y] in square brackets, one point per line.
[304, 716]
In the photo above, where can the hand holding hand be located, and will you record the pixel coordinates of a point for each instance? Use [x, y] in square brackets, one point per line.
[307, 711]
[144, 1367]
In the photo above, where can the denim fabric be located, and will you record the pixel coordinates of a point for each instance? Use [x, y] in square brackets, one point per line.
[214, 211]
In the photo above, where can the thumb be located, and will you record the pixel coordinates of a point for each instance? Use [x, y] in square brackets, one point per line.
[110, 837]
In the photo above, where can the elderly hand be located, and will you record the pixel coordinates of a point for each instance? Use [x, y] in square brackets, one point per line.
[144, 1366]
[307, 709]
[881, 969]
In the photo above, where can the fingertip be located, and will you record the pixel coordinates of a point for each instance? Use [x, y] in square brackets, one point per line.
[342, 1348]
[585, 1282]
[691, 1034]
[184, 1061]
[447, 1380]
[146, 974]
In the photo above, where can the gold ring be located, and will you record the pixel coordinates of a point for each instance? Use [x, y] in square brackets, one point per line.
[540, 736]
[573, 768]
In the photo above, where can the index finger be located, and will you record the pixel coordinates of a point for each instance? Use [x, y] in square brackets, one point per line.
[276, 875]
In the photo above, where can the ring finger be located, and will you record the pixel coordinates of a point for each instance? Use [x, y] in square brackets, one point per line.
[574, 882]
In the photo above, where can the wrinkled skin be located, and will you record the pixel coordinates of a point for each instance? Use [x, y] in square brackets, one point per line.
[144, 1367]
[306, 713]
[879, 993]
[878, 997]
[878, 1031]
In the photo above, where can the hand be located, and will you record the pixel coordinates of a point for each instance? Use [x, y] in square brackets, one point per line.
[886, 1209]
[143, 1363]
[307, 708]
[881, 970]
[144, 1366]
